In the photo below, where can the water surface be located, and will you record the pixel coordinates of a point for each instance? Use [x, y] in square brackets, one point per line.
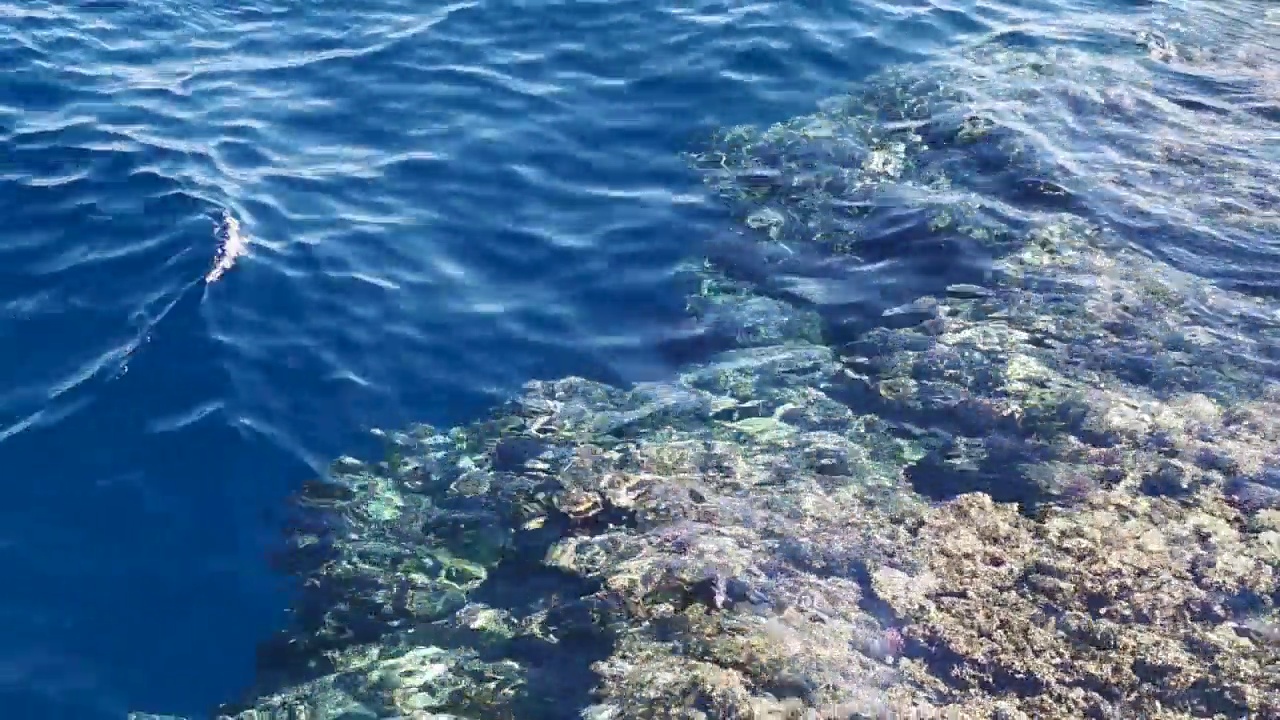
[442, 201]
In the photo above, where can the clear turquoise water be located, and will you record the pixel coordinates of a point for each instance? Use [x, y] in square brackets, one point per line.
[442, 201]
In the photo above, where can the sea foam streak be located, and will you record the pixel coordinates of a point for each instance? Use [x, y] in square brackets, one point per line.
[233, 246]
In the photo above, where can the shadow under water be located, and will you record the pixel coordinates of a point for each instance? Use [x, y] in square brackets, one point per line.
[958, 433]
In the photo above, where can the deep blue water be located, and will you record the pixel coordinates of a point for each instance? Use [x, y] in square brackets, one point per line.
[443, 201]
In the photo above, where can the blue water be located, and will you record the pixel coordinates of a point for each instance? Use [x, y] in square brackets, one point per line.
[442, 201]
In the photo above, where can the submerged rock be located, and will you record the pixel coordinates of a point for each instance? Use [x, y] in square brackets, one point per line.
[1118, 608]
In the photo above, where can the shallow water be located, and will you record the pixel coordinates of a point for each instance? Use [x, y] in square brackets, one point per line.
[440, 203]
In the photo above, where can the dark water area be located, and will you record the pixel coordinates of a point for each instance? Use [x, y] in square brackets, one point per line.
[441, 201]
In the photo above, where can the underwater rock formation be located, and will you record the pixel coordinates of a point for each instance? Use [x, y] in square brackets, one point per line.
[1028, 467]
[704, 541]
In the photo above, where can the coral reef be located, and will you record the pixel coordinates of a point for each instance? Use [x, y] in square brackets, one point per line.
[1127, 606]
[705, 541]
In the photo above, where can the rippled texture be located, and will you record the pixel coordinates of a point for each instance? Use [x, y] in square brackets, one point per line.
[441, 202]
[929, 170]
